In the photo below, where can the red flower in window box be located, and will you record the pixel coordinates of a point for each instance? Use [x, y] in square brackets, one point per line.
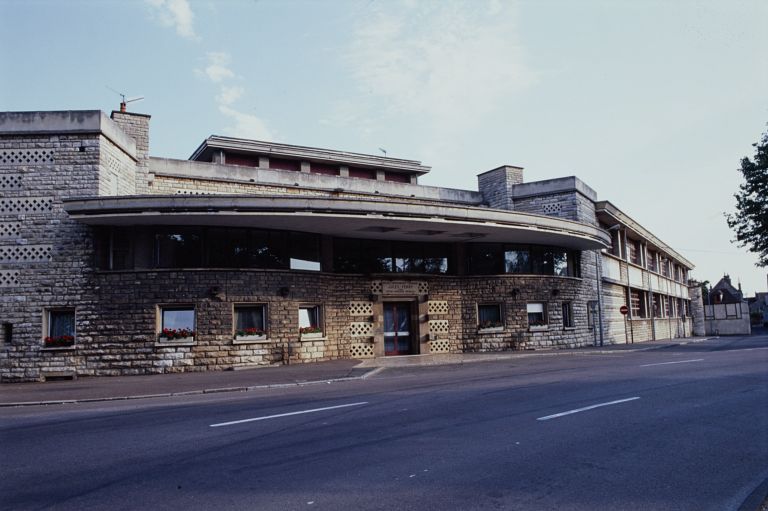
[310, 330]
[176, 333]
[59, 341]
[249, 331]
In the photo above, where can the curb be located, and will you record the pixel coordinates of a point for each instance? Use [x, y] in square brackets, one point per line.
[192, 392]
[374, 370]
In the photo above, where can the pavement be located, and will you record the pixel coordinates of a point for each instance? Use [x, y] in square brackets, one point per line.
[90, 389]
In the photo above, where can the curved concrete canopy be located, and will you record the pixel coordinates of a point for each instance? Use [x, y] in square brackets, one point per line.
[351, 218]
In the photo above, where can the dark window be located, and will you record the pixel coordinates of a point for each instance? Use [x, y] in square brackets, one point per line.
[282, 164]
[485, 259]
[517, 260]
[238, 159]
[653, 265]
[489, 316]
[658, 306]
[373, 256]
[362, 173]
[567, 315]
[7, 333]
[634, 251]
[178, 249]
[397, 177]
[304, 251]
[250, 320]
[324, 168]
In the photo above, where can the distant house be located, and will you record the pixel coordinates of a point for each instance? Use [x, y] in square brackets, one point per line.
[725, 310]
[758, 309]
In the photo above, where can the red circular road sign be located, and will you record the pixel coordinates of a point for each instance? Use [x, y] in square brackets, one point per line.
[624, 309]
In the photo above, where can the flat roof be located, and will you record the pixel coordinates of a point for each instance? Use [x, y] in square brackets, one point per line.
[316, 154]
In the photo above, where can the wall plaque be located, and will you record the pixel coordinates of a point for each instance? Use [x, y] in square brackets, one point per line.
[401, 288]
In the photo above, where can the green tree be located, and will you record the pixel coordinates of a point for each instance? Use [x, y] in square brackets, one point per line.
[750, 222]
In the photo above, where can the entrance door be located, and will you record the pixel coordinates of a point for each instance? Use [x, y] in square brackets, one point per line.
[397, 328]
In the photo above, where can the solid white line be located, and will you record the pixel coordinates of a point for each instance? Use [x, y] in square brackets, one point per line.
[287, 414]
[676, 362]
[569, 412]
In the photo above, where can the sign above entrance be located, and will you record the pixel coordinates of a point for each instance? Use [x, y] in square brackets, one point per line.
[407, 287]
[624, 309]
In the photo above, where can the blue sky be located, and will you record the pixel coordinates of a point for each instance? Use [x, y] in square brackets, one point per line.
[652, 103]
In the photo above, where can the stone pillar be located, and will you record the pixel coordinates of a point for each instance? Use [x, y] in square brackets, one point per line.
[496, 185]
[136, 126]
[697, 308]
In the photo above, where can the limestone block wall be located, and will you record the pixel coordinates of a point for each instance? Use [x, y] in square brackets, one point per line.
[570, 206]
[45, 258]
[117, 170]
[136, 126]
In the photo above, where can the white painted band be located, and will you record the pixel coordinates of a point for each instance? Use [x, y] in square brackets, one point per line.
[287, 414]
[569, 412]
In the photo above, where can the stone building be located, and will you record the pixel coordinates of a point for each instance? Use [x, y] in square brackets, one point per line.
[252, 253]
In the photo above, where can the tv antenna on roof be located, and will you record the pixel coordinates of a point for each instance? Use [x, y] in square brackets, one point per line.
[124, 102]
[383, 151]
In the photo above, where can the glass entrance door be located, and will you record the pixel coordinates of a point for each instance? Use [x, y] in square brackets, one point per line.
[397, 328]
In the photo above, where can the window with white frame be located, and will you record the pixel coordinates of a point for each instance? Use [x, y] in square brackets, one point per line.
[489, 316]
[310, 320]
[59, 328]
[567, 315]
[177, 323]
[250, 320]
[537, 314]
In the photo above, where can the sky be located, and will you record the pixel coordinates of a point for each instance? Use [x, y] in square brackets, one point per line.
[651, 103]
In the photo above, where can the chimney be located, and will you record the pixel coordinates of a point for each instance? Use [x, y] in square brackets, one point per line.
[496, 185]
[136, 126]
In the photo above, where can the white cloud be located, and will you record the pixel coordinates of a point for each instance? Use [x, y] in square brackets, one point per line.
[218, 69]
[175, 13]
[228, 94]
[246, 125]
[453, 62]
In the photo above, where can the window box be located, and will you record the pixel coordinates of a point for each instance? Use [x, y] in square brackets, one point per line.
[489, 318]
[59, 329]
[310, 322]
[177, 326]
[250, 323]
[537, 316]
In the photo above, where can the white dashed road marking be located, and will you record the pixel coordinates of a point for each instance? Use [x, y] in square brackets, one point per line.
[676, 362]
[313, 410]
[569, 412]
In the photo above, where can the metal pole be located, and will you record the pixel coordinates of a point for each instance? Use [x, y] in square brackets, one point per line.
[599, 273]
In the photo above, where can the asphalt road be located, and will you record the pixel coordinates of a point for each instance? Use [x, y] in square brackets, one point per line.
[684, 428]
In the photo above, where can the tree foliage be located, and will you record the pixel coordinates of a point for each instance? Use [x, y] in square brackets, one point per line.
[750, 222]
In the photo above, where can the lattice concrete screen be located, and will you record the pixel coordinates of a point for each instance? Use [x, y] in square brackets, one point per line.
[436, 307]
[360, 329]
[438, 328]
[10, 182]
[26, 156]
[26, 205]
[423, 288]
[361, 350]
[377, 287]
[25, 253]
[9, 229]
[440, 346]
[9, 278]
[360, 309]
[552, 208]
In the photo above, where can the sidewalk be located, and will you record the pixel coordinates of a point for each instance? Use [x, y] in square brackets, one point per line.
[87, 389]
